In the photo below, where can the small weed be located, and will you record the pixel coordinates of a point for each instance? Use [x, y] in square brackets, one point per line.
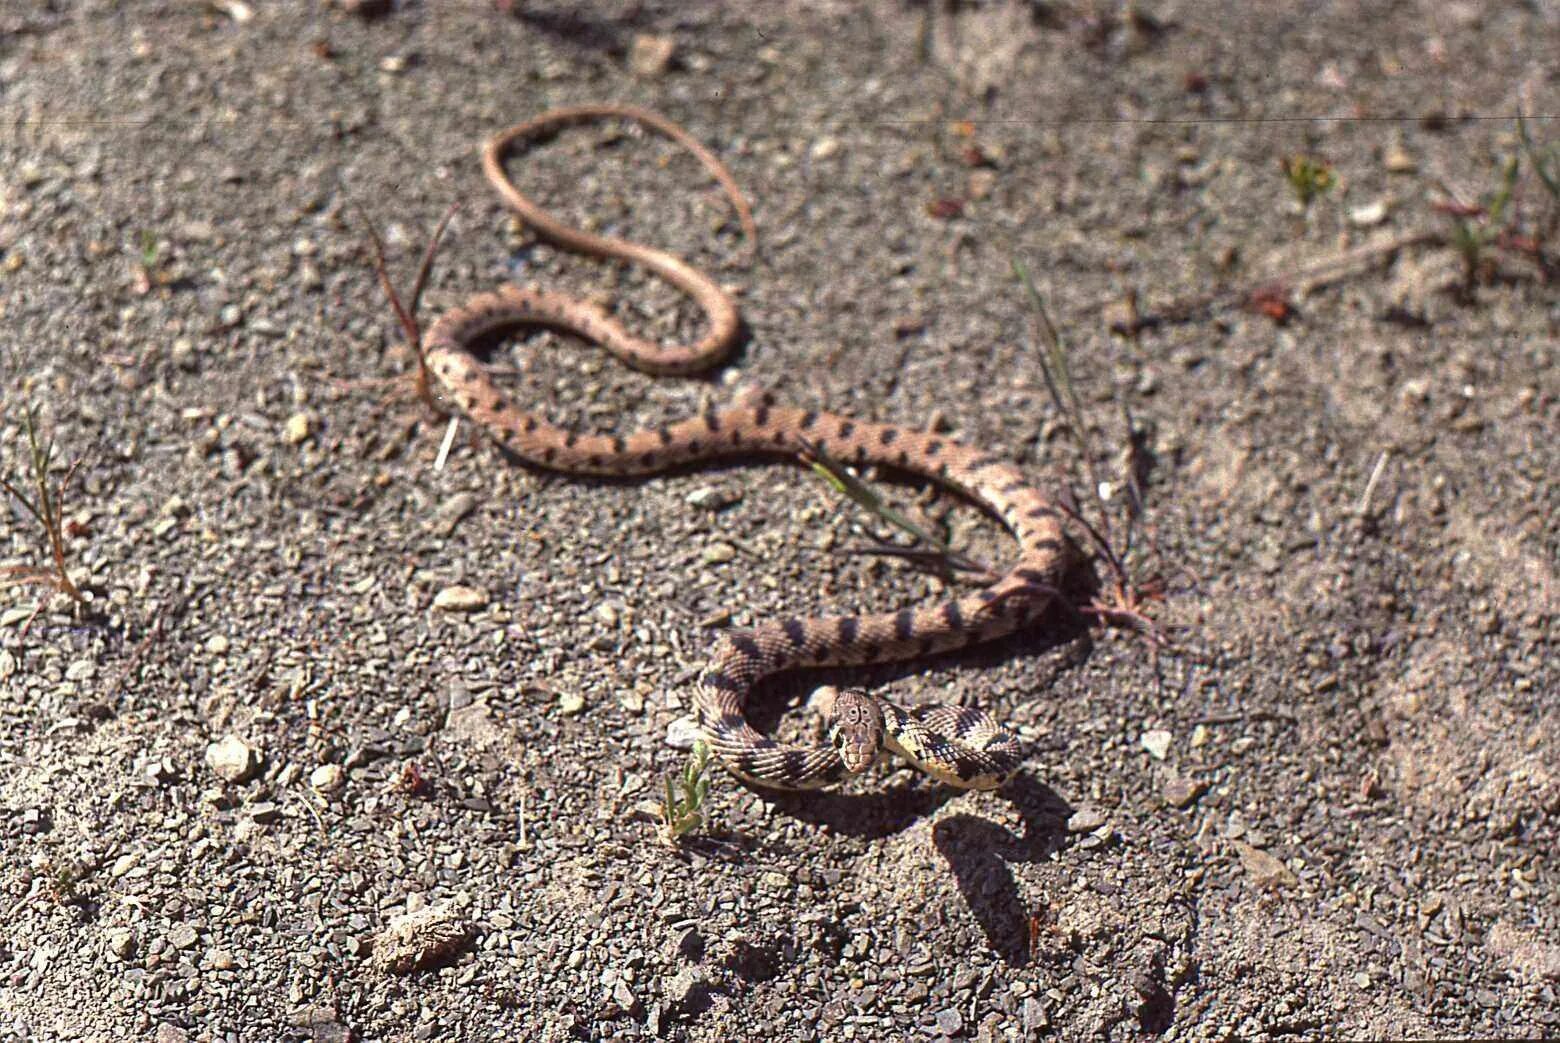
[406, 311]
[681, 809]
[1125, 599]
[46, 505]
[1309, 178]
[1481, 229]
[149, 249]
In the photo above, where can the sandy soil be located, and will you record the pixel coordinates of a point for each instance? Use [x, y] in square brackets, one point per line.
[1331, 810]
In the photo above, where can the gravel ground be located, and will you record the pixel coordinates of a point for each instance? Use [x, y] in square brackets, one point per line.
[267, 789]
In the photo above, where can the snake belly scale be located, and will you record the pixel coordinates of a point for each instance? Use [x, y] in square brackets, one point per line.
[961, 746]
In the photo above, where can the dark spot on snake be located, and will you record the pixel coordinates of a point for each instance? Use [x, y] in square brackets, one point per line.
[1040, 512]
[594, 460]
[888, 435]
[927, 646]
[712, 420]
[647, 460]
[847, 428]
[809, 418]
[795, 632]
[745, 644]
[845, 629]
[731, 722]
[716, 679]
[1010, 488]
[549, 454]
[664, 434]
[794, 764]
[903, 459]
[761, 415]
[736, 436]
[953, 616]
[695, 445]
[904, 624]
[618, 444]
[985, 462]
[1031, 575]
[529, 424]
[569, 440]
[933, 447]
[988, 596]
[965, 720]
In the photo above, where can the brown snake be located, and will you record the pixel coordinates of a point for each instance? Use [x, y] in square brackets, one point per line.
[962, 746]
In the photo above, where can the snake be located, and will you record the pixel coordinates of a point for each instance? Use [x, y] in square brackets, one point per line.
[962, 746]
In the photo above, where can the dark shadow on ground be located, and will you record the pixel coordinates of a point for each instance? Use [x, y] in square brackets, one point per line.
[980, 854]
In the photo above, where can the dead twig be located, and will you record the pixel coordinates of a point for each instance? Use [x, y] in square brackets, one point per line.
[406, 310]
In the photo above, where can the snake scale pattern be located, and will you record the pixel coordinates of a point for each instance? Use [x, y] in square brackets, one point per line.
[961, 746]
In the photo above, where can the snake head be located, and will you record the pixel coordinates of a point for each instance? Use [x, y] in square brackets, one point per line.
[857, 730]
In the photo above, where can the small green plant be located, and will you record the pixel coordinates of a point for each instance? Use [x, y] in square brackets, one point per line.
[1481, 229]
[1476, 228]
[1309, 178]
[46, 505]
[149, 249]
[682, 807]
[62, 881]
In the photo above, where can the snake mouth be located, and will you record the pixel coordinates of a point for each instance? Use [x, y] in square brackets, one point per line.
[858, 758]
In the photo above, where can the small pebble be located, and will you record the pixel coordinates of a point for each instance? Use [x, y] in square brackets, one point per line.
[1157, 743]
[718, 553]
[571, 703]
[651, 56]
[823, 148]
[232, 759]
[1398, 161]
[1179, 792]
[460, 599]
[451, 512]
[419, 937]
[1264, 870]
[297, 430]
[682, 733]
[264, 811]
[711, 498]
[121, 941]
[1370, 215]
[183, 936]
[1085, 820]
[217, 644]
[326, 777]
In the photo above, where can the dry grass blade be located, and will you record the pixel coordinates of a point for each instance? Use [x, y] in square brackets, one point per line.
[1124, 601]
[1540, 162]
[47, 508]
[863, 495]
[1059, 383]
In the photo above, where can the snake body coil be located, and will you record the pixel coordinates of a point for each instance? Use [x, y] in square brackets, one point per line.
[961, 746]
